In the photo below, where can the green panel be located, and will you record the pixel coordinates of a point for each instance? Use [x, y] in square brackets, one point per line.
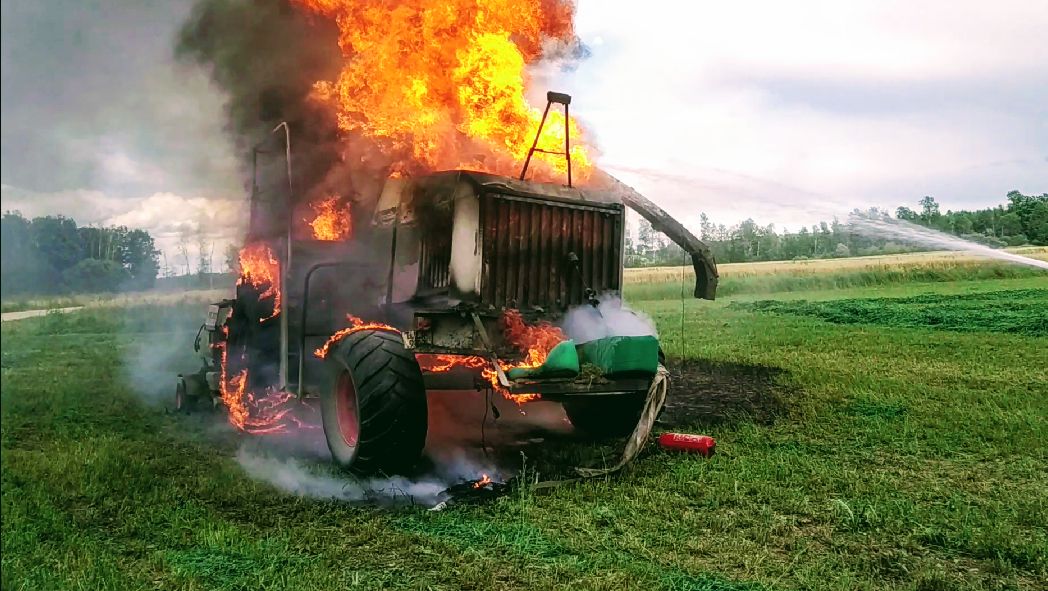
[562, 362]
[623, 356]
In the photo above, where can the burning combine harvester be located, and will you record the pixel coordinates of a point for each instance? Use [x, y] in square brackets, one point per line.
[452, 276]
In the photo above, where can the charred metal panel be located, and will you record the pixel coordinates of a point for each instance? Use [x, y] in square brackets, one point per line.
[526, 242]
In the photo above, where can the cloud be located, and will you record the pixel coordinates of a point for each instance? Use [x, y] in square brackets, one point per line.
[94, 99]
[784, 111]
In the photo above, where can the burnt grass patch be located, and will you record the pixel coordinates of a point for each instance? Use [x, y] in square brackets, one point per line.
[704, 392]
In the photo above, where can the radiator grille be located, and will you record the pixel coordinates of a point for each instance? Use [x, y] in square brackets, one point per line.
[434, 260]
[526, 243]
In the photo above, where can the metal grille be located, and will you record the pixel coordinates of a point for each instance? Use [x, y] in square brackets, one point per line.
[526, 246]
[434, 261]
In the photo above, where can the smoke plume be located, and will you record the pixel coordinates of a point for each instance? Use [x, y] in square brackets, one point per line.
[611, 318]
[266, 56]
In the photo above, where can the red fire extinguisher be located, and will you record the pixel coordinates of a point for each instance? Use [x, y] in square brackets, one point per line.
[700, 444]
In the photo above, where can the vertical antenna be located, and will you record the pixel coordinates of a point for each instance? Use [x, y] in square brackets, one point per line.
[286, 271]
[253, 214]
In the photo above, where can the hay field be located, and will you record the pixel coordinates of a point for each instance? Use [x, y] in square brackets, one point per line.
[934, 260]
[763, 278]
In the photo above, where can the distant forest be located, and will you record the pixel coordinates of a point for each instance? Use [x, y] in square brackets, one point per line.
[52, 255]
[1022, 220]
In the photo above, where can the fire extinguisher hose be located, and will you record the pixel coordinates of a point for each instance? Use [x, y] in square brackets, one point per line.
[652, 405]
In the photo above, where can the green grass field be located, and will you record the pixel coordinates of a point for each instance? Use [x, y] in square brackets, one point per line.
[904, 446]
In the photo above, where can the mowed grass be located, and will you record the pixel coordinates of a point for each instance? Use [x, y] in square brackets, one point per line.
[1012, 311]
[900, 457]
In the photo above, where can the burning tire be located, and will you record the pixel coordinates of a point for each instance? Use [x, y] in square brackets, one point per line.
[374, 412]
[606, 416]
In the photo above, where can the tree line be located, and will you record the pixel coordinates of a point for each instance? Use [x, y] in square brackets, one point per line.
[1023, 219]
[52, 255]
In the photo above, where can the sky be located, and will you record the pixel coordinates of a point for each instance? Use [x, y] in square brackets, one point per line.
[786, 113]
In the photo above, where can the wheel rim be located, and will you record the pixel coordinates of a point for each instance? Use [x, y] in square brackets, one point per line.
[346, 409]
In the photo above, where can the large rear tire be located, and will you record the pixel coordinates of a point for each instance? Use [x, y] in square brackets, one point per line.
[606, 416]
[374, 411]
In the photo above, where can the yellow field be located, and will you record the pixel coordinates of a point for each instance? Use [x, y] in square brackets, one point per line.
[938, 259]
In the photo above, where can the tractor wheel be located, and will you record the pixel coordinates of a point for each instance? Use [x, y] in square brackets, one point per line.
[190, 390]
[606, 416]
[374, 411]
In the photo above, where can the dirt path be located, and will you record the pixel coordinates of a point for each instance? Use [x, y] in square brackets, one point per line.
[33, 313]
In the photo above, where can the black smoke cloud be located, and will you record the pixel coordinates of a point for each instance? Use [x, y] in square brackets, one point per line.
[266, 55]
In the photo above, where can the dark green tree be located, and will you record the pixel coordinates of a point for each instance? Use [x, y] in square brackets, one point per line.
[929, 210]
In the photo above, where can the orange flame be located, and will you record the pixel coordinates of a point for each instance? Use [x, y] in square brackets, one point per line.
[333, 220]
[433, 363]
[535, 341]
[355, 325]
[440, 83]
[485, 480]
[261, 269]
[267, 414]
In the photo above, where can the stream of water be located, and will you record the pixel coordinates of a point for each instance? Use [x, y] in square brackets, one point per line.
[903, 231]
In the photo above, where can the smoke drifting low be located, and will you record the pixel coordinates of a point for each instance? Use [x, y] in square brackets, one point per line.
[298, 462]
[295, 475]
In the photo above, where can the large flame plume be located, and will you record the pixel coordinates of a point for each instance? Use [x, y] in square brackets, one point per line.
[439, 84]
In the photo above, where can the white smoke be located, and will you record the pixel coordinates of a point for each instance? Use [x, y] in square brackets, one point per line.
[159, 329]
[611, 318]
[319, 480]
